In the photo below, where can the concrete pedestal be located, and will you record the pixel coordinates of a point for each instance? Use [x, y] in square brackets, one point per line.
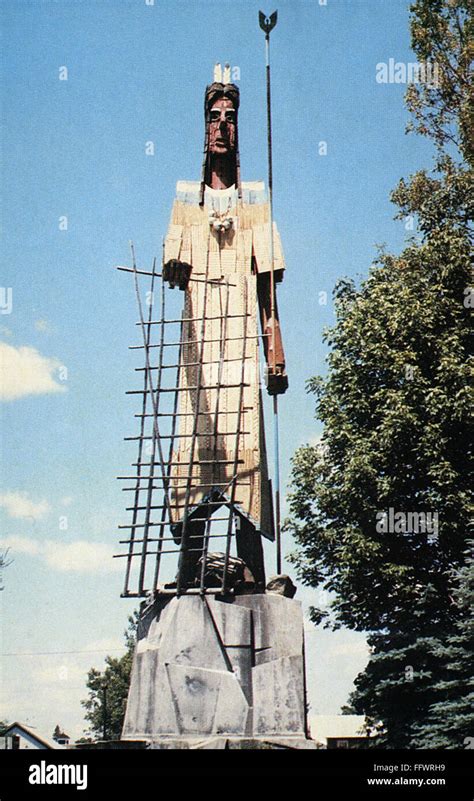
[209, 673]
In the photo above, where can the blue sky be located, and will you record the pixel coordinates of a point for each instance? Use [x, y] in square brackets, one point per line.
[76, 149]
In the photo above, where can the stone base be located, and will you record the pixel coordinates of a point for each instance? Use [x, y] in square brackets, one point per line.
[234, 743]
[208, 670]
[196, 743]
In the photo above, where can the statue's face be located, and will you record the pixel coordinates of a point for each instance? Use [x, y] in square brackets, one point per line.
[222, 127]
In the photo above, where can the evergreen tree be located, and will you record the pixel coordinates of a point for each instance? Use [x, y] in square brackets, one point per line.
[395, 406]
[450, 719]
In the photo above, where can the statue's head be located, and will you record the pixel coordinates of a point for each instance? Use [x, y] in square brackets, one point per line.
[222, 126]
[221, 142]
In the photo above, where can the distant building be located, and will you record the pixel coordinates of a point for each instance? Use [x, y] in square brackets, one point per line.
[17, 735]
[10, 743]
[60, 737]
[339, 731]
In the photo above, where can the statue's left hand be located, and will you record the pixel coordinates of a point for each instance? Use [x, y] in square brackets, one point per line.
[276, 382]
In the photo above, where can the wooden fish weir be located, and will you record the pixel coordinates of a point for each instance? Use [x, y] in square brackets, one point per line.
[153, 565]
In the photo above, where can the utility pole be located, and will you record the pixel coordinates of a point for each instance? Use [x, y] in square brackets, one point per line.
[104, 711]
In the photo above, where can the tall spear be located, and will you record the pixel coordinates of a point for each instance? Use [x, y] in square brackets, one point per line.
[267, 24]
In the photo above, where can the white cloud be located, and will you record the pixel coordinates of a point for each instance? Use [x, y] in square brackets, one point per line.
[80, 556]
[44, 326]
[358, 648]
[17, 504]
[21, 545]
[105, 645]
[67, 557]
[47, 689]
[24, 371]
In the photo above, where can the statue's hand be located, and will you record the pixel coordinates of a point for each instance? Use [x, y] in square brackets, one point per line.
[276, 378]
[177, 273]
[276, 382]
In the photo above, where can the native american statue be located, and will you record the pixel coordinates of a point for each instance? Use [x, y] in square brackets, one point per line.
[219, 651]
[208, 456]
[219, 236]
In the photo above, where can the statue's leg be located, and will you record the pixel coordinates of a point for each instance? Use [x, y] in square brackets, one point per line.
[250, 549]
[192, 553]
[195, 532]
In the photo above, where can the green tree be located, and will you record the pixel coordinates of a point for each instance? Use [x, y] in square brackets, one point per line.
[450, 719]
[442, 34]
[395, 408]
[108, 689]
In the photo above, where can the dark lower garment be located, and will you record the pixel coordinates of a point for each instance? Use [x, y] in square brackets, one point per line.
[248, 542]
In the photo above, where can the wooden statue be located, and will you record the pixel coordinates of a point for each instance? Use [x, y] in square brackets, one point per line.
[217, 250]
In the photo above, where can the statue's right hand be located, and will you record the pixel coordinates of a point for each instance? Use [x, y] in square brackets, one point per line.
[177, 272]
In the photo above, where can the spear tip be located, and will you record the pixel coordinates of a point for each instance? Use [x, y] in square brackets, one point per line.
[267, 23]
